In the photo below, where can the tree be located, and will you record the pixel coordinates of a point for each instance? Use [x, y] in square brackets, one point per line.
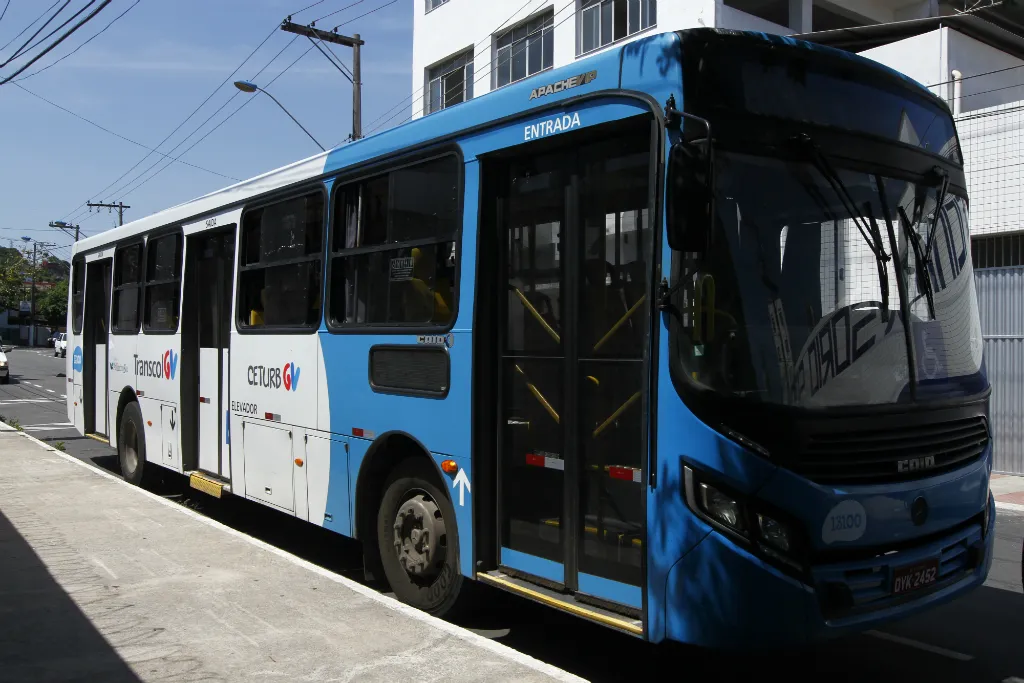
[13, 271]
[52, 305]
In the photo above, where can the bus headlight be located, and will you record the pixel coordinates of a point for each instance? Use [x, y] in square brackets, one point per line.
[774, 533]
[722, 508]
[760, 530]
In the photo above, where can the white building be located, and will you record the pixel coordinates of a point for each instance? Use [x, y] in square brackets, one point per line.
[466, 48]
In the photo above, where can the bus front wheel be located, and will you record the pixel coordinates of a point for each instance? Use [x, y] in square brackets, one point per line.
[417, 539]
[131, 445]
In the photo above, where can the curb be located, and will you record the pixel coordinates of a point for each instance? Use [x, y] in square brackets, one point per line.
[495, 647]
[1009, 507]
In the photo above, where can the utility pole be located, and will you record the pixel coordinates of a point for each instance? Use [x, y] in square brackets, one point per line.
[356, 79]
[67, 227]
[32, 299]
[120, 206]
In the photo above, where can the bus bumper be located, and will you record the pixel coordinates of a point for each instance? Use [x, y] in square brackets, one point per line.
[720, 596]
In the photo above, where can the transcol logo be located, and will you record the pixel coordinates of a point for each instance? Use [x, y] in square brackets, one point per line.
[164, 368]
[273, 377]
[76, 359]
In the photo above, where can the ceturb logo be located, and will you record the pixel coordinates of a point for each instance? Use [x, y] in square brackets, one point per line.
[272, 377]
[164, 368]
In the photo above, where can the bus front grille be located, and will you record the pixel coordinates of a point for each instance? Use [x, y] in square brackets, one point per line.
[898, 453]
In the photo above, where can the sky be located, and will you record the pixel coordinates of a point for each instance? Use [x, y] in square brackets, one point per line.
[146, 73]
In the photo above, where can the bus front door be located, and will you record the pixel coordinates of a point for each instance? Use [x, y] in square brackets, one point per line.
[94, 347]
[205, 355]
[576, 248]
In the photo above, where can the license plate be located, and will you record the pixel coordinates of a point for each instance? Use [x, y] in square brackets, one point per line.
[914, 576]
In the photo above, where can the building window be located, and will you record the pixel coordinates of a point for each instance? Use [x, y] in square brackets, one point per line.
[450, 82]
[998, 251]
[525, 50]
[604, 21]
[163, 283]
[127, 281]
[393, 252]
[434, 4]
[281, 264]
[77, 294]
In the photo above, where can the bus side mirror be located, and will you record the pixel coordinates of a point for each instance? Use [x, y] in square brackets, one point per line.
[690, 207]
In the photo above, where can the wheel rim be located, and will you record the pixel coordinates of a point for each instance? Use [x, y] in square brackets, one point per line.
[419, 536]
[131, 447]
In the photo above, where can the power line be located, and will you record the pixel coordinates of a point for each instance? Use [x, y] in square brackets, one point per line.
[228, 118]
[107, 130]
[94, 36]
[338, 11]
[57, 42]
[409, 100]
[66, 22]
[483, 75]
[22, 32]
[5, 10]
[186, 120]
[318, 2]
[38, 31]
[121, 189]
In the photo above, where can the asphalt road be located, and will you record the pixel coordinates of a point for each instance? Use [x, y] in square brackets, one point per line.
[977, 639]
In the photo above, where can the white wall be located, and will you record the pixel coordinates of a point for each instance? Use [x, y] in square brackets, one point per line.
[920, 57]
[972, 58]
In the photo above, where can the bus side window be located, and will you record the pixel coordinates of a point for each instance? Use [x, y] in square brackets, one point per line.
[393, 247]
[163, 283]
[281, 264]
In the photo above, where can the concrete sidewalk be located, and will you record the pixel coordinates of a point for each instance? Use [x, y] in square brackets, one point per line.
[1008, 490]
[101, 581]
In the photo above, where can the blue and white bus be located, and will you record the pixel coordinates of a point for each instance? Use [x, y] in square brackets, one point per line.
[682, 339]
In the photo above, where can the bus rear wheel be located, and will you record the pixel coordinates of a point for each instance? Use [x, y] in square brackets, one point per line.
[131, 445]
[418, 541]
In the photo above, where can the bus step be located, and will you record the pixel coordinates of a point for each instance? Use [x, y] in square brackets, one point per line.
[563, 602]
[208, 483]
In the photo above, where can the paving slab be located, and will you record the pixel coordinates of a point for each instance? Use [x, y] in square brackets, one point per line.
[102, 581]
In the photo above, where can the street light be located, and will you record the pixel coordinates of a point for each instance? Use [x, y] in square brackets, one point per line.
[247, 87]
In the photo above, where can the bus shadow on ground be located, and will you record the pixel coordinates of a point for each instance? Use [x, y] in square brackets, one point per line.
[43, 633]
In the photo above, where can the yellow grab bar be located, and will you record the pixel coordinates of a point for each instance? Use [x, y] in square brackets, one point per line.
[539, 396]
[536, 314]
[629, 401]
[620, 323]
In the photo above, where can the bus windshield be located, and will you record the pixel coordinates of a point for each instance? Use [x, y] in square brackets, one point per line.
[805, 306]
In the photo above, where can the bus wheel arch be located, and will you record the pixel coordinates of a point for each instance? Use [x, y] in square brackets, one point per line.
[396, 462]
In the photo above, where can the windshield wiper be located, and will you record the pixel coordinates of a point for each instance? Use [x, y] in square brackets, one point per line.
[921, 261]
[871, 234]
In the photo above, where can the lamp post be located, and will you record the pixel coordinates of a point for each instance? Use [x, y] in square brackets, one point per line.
[247, 87]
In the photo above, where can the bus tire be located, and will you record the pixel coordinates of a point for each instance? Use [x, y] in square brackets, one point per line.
[418, 541]
[131, 445]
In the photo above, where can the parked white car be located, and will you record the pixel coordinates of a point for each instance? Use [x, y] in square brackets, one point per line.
[5, 368]
[60, 346]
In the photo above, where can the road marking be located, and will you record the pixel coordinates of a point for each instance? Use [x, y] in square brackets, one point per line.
[51, 391]
[13, 401]
[389, 602]
[934, 649]
[45, 429]
[99, 438]
[63, 395]
[35, 385]
[1013, 679]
